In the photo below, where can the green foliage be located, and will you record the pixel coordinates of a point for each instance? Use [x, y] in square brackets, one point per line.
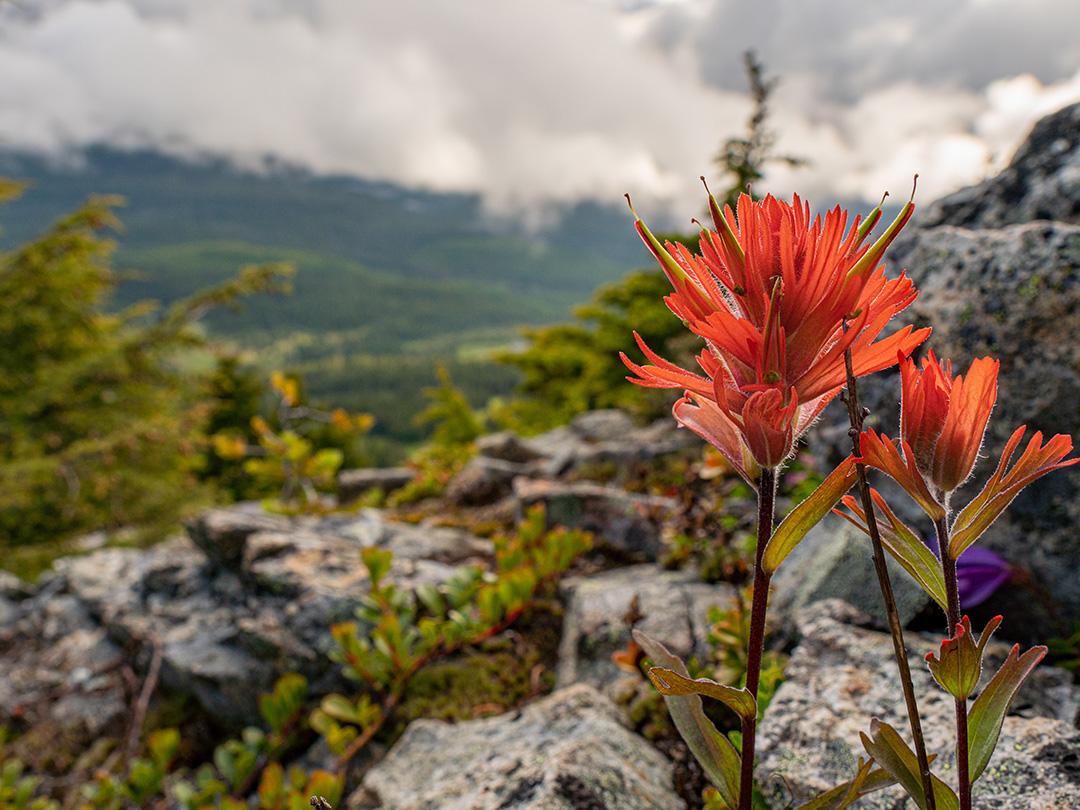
[102, 423]
[729, 637]
[399, 631]
[1065, 650]
[449, 411]
[455, 426]
[285, 457]
[572, 368]
[18, 792]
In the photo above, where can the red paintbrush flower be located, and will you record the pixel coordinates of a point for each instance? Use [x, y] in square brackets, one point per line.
[770, 294]
[942, 423]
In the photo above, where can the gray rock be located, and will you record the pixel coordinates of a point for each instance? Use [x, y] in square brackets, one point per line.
[835, 561]
[841, 675]
[506, 446]
[623, 523]
[61, 672]
[569, 751]
[482, 481]
[351, 484]
[1041, 182]
[1014, 294]
[608, 437]
[674, 605]
[11, 587]
[602, 426]
[225, 637]
[221, 533]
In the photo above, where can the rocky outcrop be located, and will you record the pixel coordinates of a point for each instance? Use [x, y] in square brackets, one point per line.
[607, 437]
[997, 267]
[841, 675]
[1041, 182]
[623, 523]
[669, 605]
[354, 484]
[62, 676]
[226, 633]
[569, 751]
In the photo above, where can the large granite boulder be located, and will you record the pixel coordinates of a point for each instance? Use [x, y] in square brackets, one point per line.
[569, 751]
[1041, 182]
[841, 675]
[997, 277]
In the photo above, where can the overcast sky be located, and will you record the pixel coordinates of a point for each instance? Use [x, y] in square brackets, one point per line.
[538, 101]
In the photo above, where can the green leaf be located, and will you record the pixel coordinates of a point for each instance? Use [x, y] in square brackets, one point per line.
[377, 562]
[866, 781]
[905, 547]
[430, 597]
[715, 753]
[958, 665]
[900, 762]
[669, 682]
[988, 712]
[340, 708]
[807, 515]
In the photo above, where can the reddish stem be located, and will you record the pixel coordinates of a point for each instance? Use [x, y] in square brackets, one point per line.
[766, 506]
[952, 594]
[896, 630]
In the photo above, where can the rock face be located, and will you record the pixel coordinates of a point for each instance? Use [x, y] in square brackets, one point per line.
[1041, 182]
[227, 633]
[841, 675]
[674, 606]
[570, 751]
[835, 561]
[998, 270]
[622, 522]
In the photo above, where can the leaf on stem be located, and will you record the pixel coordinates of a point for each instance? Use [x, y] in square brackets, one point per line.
[808, 514]
[958, 665]
[671, 683]
[903, 544]
[886, 746]
[715, 753]
[988, 712]
[1037, 460]
[866, 781]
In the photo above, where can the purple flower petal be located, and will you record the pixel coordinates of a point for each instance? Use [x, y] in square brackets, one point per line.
[980, 572]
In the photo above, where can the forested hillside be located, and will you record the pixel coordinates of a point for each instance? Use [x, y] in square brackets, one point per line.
[390, 282]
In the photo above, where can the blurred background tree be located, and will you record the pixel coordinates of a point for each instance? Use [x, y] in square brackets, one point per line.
[103, 415]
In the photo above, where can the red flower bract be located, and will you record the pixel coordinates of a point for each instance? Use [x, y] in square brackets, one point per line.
[770, 294]
[943, 419]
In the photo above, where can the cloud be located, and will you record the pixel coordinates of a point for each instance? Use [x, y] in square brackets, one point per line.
[547, 102]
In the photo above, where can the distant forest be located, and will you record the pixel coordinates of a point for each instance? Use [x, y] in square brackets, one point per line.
[390, 283]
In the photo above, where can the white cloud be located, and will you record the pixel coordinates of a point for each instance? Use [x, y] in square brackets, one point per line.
[540, 102]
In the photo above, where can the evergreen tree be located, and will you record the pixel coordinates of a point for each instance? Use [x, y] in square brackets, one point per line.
[101, 425]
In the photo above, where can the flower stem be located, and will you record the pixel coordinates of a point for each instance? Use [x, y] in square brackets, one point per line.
[760, 601]
[952, 594]
[855, 415]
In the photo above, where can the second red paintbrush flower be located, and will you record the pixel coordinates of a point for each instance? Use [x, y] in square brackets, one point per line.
[770, 293]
